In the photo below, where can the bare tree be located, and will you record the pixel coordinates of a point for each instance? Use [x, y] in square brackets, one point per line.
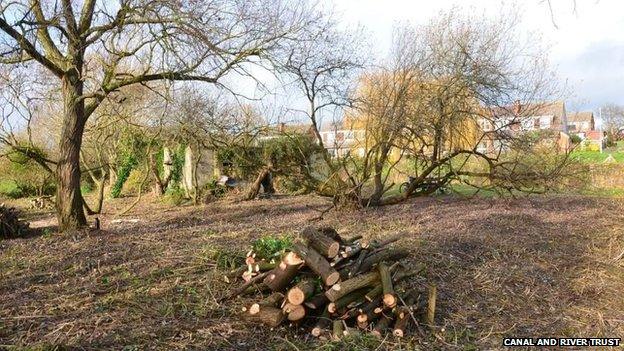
[612, 120]
[323, 66]
[447, 87]
[95, 48]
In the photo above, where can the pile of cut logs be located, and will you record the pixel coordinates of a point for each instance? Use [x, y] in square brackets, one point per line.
[10, 224]
[335, 286]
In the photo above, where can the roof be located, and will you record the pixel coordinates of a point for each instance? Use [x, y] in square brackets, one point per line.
[556, 109]
[595, 135]
[586, 116]
[300, 128]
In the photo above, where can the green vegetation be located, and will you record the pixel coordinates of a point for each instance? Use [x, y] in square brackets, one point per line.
[123, 173]
[20, 176]
[270, 247]
[289, 155]
[175, 196]
[8, 188]
[597, 157]
[589, 157]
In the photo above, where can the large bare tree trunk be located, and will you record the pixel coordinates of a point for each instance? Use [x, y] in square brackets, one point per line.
[69, 201]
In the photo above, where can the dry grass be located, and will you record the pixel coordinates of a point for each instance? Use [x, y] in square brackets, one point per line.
[537, 266]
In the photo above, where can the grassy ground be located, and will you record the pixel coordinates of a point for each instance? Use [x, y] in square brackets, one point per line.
[534, 266]
[595, 157]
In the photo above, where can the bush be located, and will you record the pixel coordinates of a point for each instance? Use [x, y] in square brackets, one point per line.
[9, 189]
[134, 182]
[22, 177]
[271, 247]
[175, 196]
[575, 139]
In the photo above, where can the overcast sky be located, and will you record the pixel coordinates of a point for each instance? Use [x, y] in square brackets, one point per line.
[586, 46]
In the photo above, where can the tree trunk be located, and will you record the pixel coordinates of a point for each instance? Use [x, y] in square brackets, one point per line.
[69, 208]
[100, 195]
[255, 186]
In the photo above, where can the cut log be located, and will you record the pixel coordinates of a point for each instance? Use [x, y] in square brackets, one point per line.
[404, 275]
[296, 313]
[338, 330]
[389, 240]
[352, 239]
[365, 319]
[279, 278]
[389, 297]
[244, 286]
[358, 263]
[289, 307]
[344, 288]
[367, 313]
[257, 267]
[317, 301]
[301, 292]
[320, 242]
[431, 305]
[354, 250]
[324, 321]
[402, 321]
[272, 300]
[388, 255]
[331, 233]
[345, 301]
[318, 264]
[374, 293]
[270, 316]
[381, 326]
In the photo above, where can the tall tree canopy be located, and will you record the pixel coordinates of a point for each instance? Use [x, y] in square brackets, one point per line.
[93, 49]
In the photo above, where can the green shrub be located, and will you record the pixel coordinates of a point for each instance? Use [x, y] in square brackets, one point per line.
[271, 247]
[9, 188]
[135, 181]
[215, 189]
[575, 139]
[20, 176]
[175, 196]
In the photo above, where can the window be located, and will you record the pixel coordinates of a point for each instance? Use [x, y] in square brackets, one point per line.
[484, 124]
[545, 121]
[528, 123]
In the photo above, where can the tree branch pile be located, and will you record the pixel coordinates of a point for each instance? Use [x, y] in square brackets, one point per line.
[10, 224]
[333, 287]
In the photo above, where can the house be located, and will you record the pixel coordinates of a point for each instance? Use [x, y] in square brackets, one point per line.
[580, 123]
[282, 129]
[340, 141]
[594, 140]
[505, 123]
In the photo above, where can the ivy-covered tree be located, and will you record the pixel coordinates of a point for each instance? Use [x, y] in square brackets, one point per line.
[93, 49]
